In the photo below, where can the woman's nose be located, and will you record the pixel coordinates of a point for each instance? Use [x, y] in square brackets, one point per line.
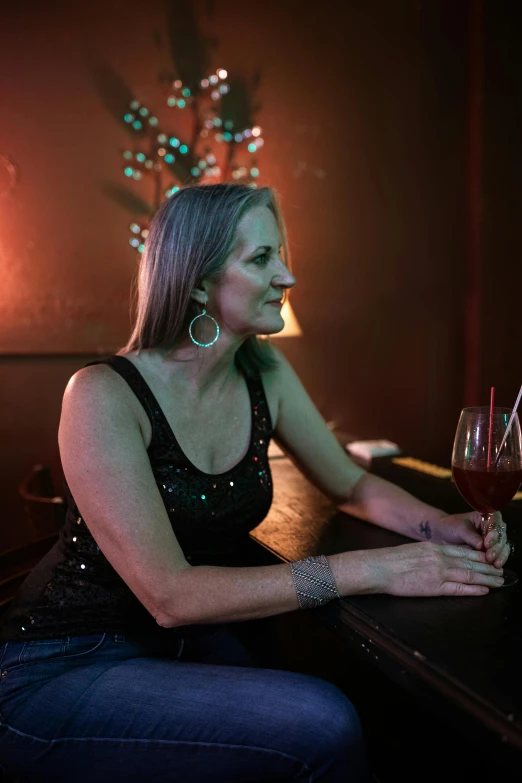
[284, 278]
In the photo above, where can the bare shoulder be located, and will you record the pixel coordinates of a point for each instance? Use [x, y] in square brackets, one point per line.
[97, 392]
[97, 379]
[97, 383]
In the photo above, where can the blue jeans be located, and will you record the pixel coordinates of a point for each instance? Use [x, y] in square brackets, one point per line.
[107, 708]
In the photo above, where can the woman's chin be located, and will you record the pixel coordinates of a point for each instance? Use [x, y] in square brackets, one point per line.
[273, 325]
[269, 330]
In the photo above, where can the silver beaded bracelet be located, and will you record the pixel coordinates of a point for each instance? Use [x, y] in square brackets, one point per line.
[314, 582]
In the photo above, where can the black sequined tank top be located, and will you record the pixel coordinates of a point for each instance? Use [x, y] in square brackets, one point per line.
[75, 590]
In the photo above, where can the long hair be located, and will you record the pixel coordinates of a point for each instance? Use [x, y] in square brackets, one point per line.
[190, 238]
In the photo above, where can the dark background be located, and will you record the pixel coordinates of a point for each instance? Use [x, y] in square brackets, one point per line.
[392, 134]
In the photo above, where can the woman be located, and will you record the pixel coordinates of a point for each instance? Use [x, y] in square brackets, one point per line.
[120, 660]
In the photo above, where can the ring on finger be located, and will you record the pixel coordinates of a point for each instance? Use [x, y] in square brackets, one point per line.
[511, 547]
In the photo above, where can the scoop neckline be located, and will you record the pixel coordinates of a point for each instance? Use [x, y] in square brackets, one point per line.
[171, 431]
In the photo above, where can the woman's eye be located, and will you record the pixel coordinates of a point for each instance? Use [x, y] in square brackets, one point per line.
[263, 257]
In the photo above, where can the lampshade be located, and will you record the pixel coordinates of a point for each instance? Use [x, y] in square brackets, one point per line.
[292, 328]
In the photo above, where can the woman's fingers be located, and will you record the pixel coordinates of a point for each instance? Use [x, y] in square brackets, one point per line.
[496, 544]
[496, 549]
[503, 554]
[473, 573]
[495, 533]
[475, 567]
[494, 538]
[465, 564]
[496, 555]
[468, 577]
[454, 550]
[460, 589]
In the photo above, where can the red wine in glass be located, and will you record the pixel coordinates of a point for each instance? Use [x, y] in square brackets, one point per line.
[486, 476]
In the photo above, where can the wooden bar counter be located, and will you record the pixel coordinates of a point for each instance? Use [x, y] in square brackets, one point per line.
[437, 681]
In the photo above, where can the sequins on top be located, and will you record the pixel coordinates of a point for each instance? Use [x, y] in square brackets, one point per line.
[75, 590]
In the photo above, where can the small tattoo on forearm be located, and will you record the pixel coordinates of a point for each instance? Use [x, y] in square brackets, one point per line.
[425, 529]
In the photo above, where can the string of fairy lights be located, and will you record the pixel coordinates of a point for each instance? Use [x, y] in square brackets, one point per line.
[217, 152]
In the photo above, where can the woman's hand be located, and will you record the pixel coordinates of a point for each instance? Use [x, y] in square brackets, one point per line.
[428, 569]
[467, 529]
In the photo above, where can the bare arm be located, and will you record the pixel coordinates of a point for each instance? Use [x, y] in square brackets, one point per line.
[376, 500]
[232, 594]
[304, 435]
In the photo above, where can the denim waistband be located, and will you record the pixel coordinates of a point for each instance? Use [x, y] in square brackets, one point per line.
[82, 648]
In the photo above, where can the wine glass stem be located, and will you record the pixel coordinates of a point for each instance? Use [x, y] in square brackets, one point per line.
[485, 526]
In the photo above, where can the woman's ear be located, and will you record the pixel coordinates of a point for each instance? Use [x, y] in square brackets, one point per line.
[200, 293]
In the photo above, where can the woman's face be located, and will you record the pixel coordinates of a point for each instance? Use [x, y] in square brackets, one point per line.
[254, 276]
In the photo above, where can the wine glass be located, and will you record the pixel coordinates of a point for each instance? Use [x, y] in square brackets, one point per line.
[487, 477]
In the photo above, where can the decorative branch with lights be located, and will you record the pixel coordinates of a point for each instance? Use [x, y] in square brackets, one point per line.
[213, 150]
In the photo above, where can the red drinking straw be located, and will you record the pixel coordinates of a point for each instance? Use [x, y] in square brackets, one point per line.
[490, 438]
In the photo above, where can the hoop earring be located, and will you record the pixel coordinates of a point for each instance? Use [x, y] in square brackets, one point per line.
[204, 345]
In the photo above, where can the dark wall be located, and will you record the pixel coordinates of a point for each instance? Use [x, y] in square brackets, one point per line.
[501, 328]
[364, 108]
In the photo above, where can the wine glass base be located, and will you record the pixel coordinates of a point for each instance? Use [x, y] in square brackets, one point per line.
[510, 578]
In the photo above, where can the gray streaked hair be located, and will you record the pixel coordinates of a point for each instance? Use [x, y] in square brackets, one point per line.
[190, 237]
